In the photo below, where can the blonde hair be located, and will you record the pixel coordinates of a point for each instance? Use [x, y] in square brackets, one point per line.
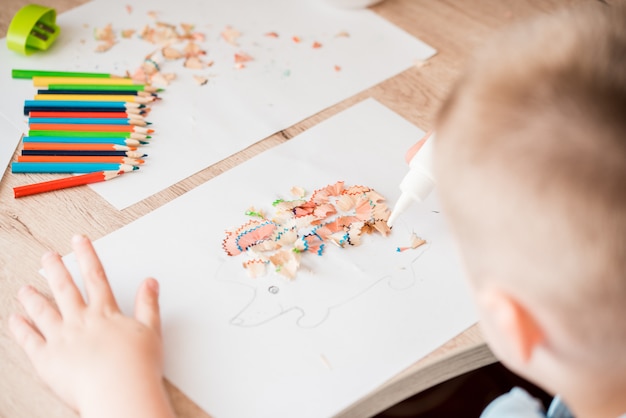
[531, 166]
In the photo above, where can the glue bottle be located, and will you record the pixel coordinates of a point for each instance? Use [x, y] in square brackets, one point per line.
[418, 182]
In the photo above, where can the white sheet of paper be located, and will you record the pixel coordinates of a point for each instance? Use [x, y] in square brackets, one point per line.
[352, 318]
[199, 126]
[9, 137]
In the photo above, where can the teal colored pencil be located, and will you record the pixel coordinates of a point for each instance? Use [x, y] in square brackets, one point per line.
[18, 167]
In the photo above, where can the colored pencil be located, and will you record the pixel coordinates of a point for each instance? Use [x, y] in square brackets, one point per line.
[78, 159]
[81, 140]
[139, 112]
[43, 81]
[104, 87]
[66, 182]
[99, 92]
[62, 114]
[17, 167]
[129, 154]
[91, 134]
[128, 98]
[68, 147]
[121, 105]
[91, 121]
[89, 128]
[21, 73]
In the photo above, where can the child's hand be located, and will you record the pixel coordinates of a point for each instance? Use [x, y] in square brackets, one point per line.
[416, 147]
[100, 362]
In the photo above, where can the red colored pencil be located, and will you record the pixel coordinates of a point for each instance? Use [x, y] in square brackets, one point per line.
[88, 128]
[66, 182]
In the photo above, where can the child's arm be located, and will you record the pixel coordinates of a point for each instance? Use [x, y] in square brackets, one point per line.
[100, 362]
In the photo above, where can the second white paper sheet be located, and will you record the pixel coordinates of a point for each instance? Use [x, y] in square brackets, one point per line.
[287, 80]
[351, 319]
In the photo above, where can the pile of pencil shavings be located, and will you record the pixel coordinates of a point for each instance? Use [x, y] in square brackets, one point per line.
[335, 214]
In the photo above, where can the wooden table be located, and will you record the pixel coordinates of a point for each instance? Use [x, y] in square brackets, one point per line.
[31, 226]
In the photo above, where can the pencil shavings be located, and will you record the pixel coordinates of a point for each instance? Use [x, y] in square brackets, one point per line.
[171, 53]
[335, 214]
[201, 81]
[415, 242]
[231, 35]
[194, 63]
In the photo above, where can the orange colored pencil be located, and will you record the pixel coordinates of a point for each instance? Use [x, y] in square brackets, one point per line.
[81, 147]
[66, 182]
[88, 128]
[77, 159]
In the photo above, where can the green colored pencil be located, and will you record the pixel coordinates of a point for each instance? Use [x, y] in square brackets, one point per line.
[28, 74]
[128, 87]
[90, 134]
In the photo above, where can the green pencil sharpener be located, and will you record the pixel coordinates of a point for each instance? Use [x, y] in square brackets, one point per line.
[32, 29]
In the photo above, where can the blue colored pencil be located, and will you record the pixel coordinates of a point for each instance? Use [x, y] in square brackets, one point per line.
[18, 167]
[91, 121]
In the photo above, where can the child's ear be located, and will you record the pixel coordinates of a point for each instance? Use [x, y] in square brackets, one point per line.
[510, 324]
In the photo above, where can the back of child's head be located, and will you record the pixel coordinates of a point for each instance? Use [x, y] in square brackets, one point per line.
[531, 167]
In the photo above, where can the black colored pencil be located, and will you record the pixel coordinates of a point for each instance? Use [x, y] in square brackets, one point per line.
[131, 154]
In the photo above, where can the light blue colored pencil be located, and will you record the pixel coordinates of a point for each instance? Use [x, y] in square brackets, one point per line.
[85, 121]
[84, 140]
[18, 167]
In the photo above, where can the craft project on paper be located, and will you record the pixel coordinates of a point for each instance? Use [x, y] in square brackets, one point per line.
[336, 215]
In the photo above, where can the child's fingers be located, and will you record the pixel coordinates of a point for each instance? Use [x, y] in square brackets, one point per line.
[96, 284]
[147, 305]
[25, 335]
[416, 147]
[41, 312]
[68, 298]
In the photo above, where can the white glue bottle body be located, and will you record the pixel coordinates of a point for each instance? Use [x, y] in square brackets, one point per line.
[418, 182]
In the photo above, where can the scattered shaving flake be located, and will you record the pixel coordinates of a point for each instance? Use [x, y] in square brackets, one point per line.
[297, 191]
[242, 57]
[415, 242]
[129, 8]
[337, 68]
[104, 46]
[192, 49]
[296, 39]
[171, 53]
[255, 267]
[230, 35]
[342, 34]
[272, 34]
[127, 33]
[104, 34]
[152, 15]
[316, 45]
[334, 214]
[201, 81]
[194, 63]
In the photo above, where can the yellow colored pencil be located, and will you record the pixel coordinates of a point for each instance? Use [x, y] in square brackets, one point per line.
[43, 81]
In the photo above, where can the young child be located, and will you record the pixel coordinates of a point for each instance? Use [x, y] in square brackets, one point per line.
[531, 167]
[530, 161]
